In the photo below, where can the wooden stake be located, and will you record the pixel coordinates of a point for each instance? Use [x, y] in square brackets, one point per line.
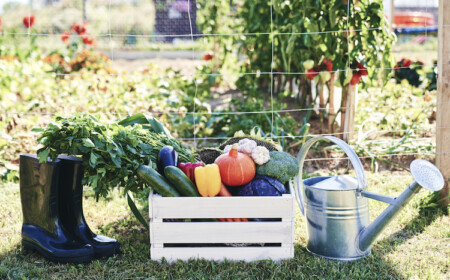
[331, 110]
[321, 86]
[349, 123]
[443, 97]
[343, 110]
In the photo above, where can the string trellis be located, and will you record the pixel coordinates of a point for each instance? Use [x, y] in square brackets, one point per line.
[193, 34]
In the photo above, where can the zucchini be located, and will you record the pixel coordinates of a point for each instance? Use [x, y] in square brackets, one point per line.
[156, 181]
[180, 181]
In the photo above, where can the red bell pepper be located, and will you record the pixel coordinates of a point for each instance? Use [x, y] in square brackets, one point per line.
[188, 169]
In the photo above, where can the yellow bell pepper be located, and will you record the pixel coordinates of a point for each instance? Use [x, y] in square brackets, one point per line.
[207, 179]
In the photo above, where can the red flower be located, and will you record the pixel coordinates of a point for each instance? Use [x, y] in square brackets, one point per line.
[79, 27]
[328, 63]
[361, 69]
[88, 39]
[65, 37]
[311, 73]
[356, 78]
[208, 56]
[406, 62]
[28, 21]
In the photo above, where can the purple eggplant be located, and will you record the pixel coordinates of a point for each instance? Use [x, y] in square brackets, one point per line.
[167, 156]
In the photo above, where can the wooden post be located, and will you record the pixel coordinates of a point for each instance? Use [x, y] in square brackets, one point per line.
[349, 122]
[443, 98]
[321, 86]
[331, 111]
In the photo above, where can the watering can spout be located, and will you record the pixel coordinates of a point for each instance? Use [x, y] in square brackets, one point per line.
[370, 233]
[425, 174]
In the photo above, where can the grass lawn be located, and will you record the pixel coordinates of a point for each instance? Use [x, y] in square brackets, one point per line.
[414, 246]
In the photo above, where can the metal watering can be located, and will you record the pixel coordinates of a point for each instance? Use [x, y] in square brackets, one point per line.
[337, 210]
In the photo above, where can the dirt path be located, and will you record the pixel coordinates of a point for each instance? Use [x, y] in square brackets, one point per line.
[186, 66]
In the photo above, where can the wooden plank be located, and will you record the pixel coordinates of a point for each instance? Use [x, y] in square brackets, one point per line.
[222, 207]
[222, 232]
[443, 98]
[221, 253]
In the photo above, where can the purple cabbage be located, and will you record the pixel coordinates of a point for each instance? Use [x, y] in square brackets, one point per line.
[263, 186]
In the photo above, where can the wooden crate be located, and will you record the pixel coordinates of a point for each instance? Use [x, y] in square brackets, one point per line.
[211, 240]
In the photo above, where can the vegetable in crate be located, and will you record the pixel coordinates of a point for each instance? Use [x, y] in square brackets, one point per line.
[167, 156]
[281, 166]
[259, 154]
[263, 186]
[236, 169]
[271, 146]
[188, 169]
[246, 146]
[208, 179]
[224, 192]
[156, 181]
[180, 181]
[209, 155]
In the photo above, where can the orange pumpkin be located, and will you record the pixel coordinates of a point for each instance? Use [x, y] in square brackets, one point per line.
[236, 169]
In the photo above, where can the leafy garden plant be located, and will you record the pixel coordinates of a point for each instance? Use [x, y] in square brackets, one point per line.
[111, 152]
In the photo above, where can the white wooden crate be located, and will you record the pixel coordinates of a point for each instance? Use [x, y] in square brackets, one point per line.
[187, 240]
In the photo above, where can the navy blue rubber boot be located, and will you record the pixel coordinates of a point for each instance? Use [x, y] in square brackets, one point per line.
[71, 192]
[42, 230]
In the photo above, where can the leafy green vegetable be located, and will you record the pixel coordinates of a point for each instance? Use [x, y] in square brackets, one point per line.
[281, 166]
[111, 153]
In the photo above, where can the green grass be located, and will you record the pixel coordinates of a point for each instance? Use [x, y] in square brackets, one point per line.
[414, 246]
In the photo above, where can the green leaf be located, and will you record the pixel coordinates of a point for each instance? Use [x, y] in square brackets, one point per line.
[138, 118]
[93, 160]
[93, 180]
[323, 47]
[88, 143]
[131, 149]
[307, 40]
[158, 127]
[332, 16]
[116, 161]
[135, 211]
[43, 155]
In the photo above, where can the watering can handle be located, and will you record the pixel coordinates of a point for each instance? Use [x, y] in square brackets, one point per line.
[357, 165]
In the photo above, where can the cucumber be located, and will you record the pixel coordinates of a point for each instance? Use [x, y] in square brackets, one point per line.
[156, 181]
[181, 182]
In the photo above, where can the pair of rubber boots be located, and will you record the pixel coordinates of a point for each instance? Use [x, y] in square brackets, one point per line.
[53, 220]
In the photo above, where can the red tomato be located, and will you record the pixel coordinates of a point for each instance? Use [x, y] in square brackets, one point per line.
[208, 56]
[28, 21]
[356, 78]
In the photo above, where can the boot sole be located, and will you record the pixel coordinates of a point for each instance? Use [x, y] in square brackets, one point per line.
[34, 248]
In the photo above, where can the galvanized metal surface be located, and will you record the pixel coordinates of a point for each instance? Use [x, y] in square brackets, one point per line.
[337, 211]
[357, 165]
[334, 220]
[427, 175]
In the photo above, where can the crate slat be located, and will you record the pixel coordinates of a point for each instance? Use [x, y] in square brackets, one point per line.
[222, 232]
[220, 253]
[222, 207]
